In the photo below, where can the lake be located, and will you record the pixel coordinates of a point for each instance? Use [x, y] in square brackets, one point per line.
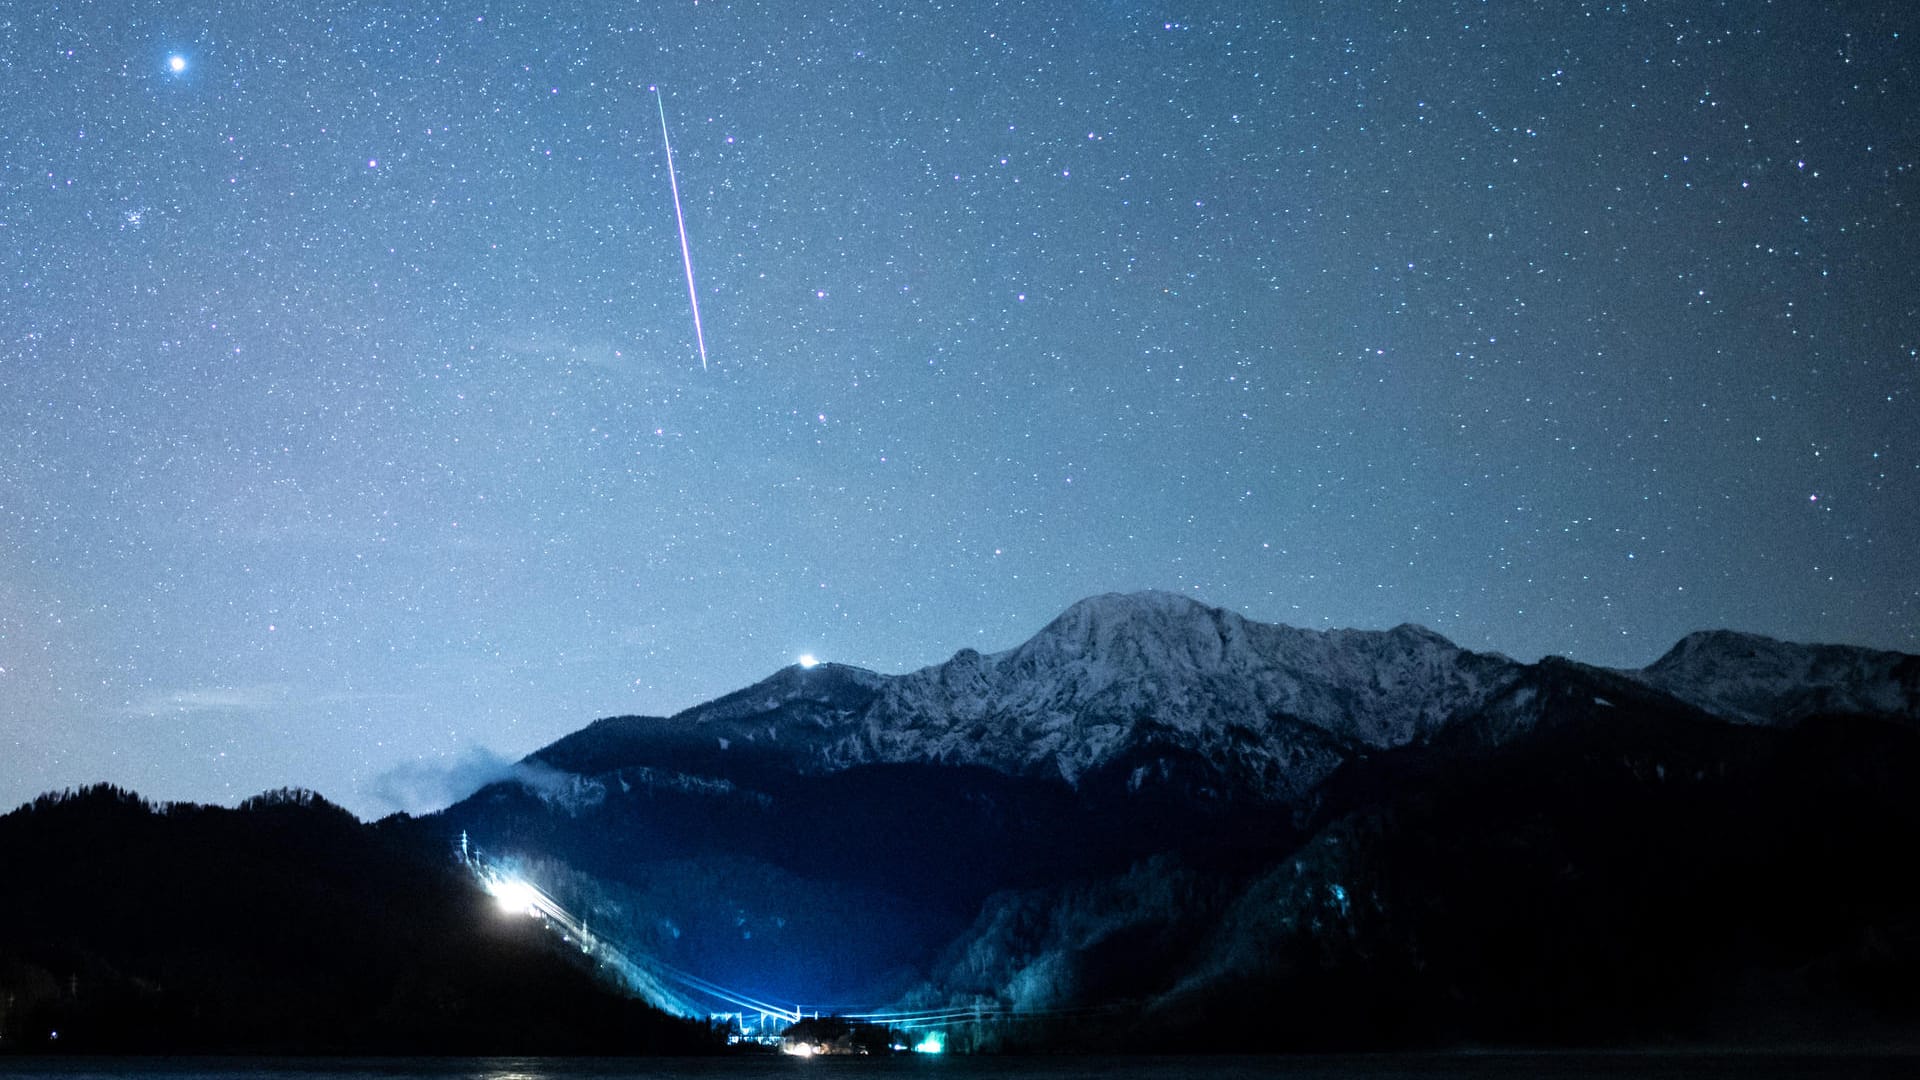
[1460, 1066]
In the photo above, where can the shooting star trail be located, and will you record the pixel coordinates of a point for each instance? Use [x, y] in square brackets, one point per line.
[686, 256]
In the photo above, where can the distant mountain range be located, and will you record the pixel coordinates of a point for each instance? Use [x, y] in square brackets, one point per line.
[1161, 813]
[1270, 710]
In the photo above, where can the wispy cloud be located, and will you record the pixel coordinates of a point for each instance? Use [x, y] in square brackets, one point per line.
[210, 699]
[256, 697]
[429, 784]
[355, 697]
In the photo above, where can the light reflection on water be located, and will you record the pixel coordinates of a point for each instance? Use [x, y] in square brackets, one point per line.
[918, 1067]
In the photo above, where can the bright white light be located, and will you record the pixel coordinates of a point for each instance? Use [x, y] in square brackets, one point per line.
[808, 660]
[176, 63]
[799, 1049]
[934, 1043]
[515, 897]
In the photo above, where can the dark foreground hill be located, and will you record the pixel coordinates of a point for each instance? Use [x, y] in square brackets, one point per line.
[284, 926]
[1618, 881]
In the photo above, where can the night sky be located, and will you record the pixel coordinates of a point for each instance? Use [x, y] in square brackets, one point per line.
[353, 432]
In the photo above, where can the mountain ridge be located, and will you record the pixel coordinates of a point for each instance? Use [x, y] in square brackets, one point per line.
[1749, 678]
[1275, 708]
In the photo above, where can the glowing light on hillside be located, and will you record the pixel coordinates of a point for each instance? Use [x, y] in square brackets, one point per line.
[515, 897]
[808, 660]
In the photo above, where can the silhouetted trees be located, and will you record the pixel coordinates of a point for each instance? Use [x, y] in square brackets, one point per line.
[283, 926]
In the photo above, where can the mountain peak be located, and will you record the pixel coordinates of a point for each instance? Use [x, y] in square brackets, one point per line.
[1126, 605]
[828, 685]
[1721, 644]
[1129, 628]
[1116, 674]
[1760, 680]
[1416, 632]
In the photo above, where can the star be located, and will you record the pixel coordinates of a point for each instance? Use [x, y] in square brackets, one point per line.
[176, 63]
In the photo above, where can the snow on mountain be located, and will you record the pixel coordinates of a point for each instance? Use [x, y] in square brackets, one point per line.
[1155, 686]
[1757, 680]
[1115, 668]
[1269, 707]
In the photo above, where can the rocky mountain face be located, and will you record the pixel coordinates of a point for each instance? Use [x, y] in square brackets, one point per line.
[1751, 679]
[1270, 709]
[1156, 800]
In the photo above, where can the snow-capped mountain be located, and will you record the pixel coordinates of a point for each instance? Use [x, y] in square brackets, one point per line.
[1151, 683]
[1114, 680]
[1751, 679]
[1116, 674]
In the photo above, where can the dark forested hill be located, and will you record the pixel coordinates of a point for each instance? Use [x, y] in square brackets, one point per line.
[1612, 880]
[285, 926]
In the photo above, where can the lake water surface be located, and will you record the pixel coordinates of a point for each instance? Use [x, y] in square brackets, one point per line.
[1465, 1066]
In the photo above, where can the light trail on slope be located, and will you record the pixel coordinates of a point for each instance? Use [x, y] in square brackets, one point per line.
[732, 997]
[680, 219]
[647, 974]
[520, 896]
[650, 975]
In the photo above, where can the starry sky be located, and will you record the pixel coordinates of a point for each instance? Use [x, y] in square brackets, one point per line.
[354, 435]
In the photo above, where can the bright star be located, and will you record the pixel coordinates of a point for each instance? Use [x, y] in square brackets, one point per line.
[176, 63]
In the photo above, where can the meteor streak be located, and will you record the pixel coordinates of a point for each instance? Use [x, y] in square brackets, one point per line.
[680, 219]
